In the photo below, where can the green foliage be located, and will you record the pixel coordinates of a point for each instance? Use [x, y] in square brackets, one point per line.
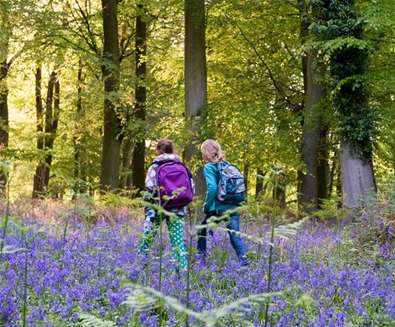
[88, 320]
[339, 32]
[142, 298]
[331, 210]
[8, 249]
[255, 83]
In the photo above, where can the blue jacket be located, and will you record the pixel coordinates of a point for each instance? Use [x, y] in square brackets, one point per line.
[211, 203]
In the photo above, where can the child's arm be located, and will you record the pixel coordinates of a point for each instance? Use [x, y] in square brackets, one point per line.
[150, 183]
[150, 179]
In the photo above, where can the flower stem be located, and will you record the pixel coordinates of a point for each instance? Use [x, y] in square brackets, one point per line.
[188, 290]
[269, 272]
[6, 218]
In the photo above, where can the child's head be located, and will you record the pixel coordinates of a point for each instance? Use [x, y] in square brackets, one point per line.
[211, 151]
[164, 146]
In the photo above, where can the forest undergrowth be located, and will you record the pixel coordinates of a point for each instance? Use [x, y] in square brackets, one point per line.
[76, 264]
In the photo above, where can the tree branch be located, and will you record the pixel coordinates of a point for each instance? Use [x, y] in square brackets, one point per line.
[88, 27]
[16, 55]
[270, 73]
[124, 44]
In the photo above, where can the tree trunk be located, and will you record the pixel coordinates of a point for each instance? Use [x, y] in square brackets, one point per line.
[112, 124]
[39, 177]
[333, 172]
[357, 178]
[127, 153]
[323, 167]
[39, 110]
[311, 136]
[339, 188]
[45, 141]
[4, 136]
[59, 190]
[80, 178]
[246, 174]
[4, 121]
[195, 79]
[311, 184]
[279, 182]
[279, 195]
[52, 127]
[138, 160]
[348, 66]
[259, 182]
[5, 31]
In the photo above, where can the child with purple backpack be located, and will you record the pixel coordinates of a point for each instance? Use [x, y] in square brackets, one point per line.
[169, 184]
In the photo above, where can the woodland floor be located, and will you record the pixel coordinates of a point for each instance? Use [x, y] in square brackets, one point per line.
[55, 268]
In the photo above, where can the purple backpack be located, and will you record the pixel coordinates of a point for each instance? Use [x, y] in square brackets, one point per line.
[174, 182]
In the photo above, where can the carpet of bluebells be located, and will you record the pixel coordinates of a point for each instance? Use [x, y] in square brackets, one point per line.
[324, 276]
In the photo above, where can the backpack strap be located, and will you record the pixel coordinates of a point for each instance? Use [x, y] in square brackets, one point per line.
[160, 163]
[221, 166]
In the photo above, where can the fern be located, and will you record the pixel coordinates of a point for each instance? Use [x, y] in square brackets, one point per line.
[282, 231]
[143, 298]
[139, 300]
[289, 230]
[88, 320]
[9, 249]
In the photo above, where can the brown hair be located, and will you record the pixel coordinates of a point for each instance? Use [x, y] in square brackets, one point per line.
[165, 146]
[211, 151]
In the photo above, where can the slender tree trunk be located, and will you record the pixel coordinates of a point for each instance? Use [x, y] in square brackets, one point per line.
[39, 109]
[4, 136]
[127, 154]
[279, 195]
[339, 186]
[333, 172]
[5, 31]
[38, 183]
[299, 178]
[45, 142]
[138, 161]
[112, 124]
[80, 178]
[47, 129]
[52, 127]
[195, 79]
[259, 182]
[246, 174]
[311, 136]
[77, 131]
[4, 123]
[59, 190]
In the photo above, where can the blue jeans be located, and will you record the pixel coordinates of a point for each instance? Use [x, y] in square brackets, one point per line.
[235, 239]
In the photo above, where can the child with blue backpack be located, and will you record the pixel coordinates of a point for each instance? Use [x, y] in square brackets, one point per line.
[225, 191]
[168, 183]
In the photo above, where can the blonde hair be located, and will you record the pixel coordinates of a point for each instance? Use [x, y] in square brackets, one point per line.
[211, 151]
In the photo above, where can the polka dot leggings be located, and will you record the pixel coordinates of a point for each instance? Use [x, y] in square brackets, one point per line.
[176, 233]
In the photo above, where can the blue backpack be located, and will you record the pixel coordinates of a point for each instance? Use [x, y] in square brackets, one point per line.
[231, 185]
